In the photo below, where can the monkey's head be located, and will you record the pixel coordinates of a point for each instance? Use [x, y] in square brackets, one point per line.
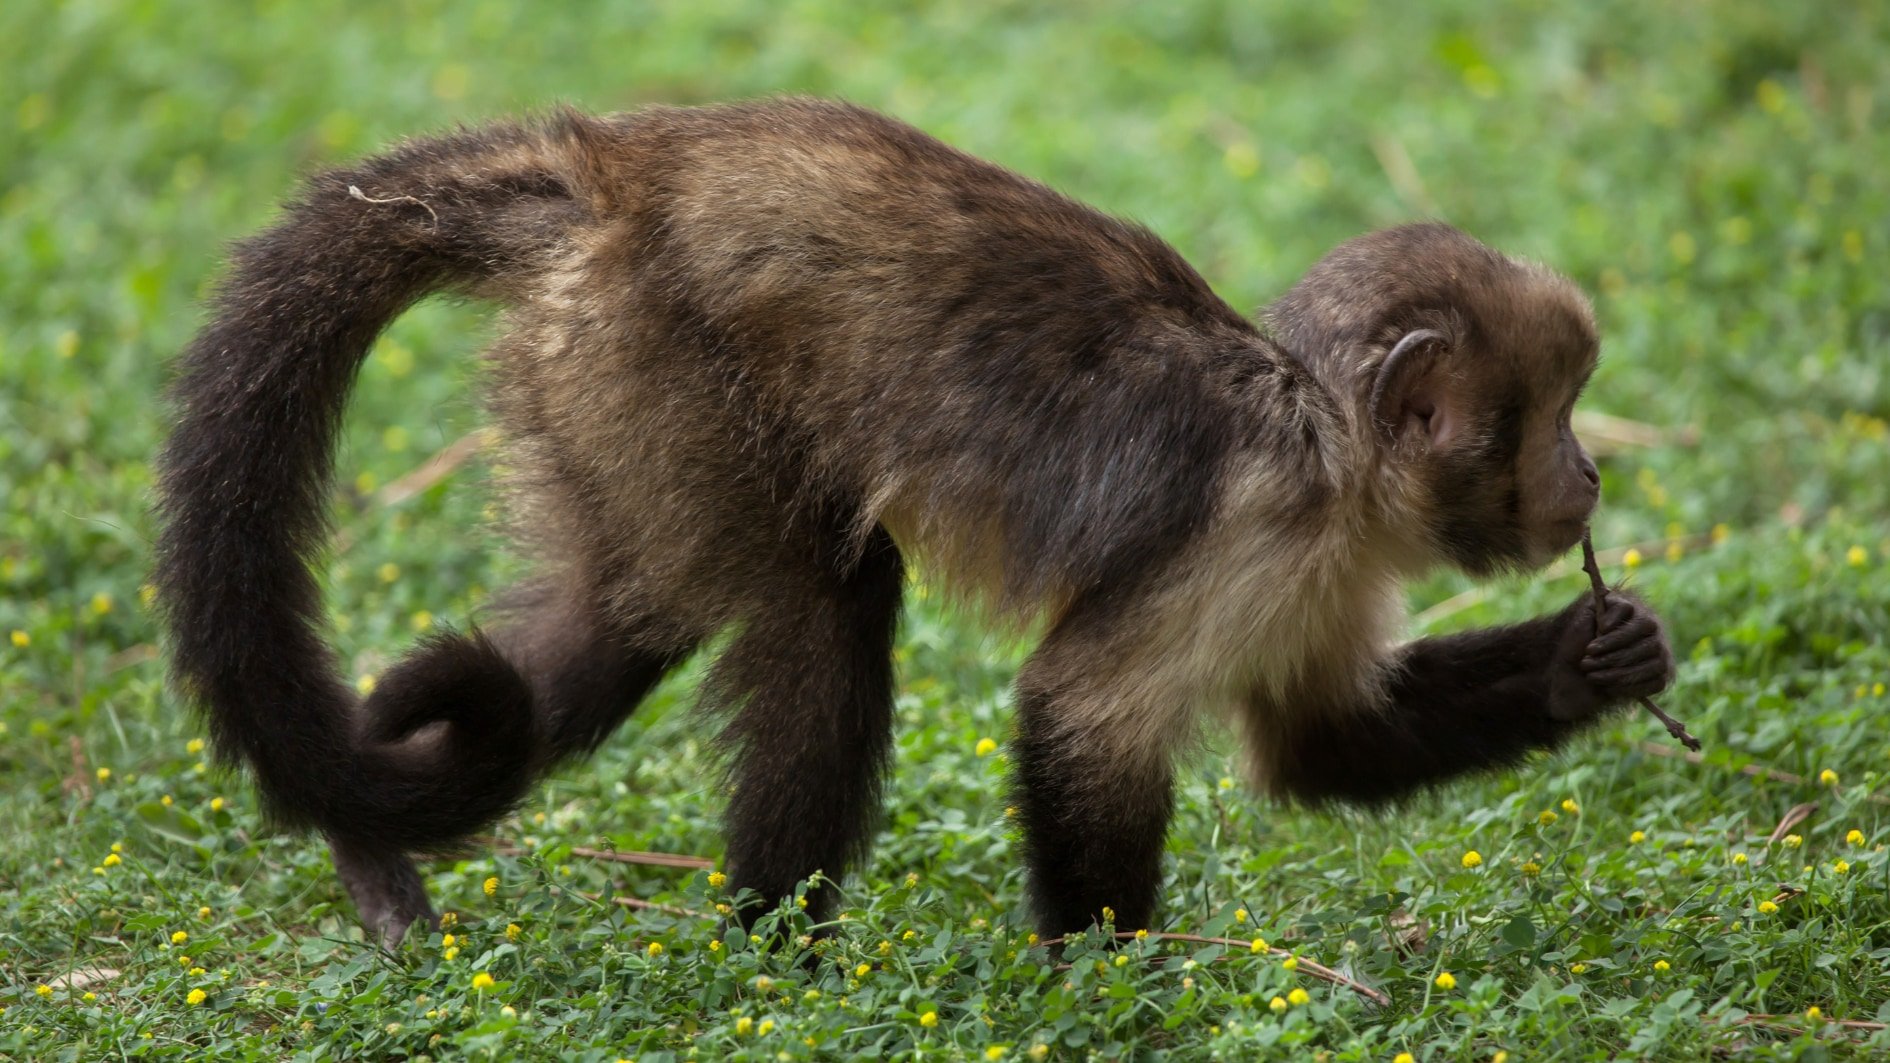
[1462, 367]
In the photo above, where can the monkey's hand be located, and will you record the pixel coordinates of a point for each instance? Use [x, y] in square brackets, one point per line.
[1592, 673]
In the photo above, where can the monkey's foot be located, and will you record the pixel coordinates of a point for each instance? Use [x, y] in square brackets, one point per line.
[385, 886]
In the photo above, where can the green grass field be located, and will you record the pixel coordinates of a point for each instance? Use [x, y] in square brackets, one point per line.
[1712, 172]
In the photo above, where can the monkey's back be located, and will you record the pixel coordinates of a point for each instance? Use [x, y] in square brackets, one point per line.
[787, 322]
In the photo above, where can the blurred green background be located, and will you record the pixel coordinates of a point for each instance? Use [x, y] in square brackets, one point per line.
[1713, 173]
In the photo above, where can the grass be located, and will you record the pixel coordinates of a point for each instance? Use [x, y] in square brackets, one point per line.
[1711, 171]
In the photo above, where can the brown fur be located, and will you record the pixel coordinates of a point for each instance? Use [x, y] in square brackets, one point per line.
[758, 357]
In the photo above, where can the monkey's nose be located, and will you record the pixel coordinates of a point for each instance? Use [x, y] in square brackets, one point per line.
[1590, 473]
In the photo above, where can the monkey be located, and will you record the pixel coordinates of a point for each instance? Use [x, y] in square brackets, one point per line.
[761, 359]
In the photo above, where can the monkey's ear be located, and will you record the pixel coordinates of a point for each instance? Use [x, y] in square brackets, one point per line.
[1411, 392]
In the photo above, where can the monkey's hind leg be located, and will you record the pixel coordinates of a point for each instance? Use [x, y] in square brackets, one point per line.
[385, 886]
[812, 678]
[586, 672]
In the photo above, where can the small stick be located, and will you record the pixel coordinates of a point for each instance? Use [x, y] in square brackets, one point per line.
[1319, 971]
[619, 856]
[1674, 727]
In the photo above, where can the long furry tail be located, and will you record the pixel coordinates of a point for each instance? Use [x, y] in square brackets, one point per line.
[245, 475]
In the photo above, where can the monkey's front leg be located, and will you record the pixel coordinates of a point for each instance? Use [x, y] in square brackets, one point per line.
[1454, 705]
[1094, 791]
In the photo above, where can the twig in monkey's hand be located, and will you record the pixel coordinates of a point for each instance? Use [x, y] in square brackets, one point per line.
[1674, 727]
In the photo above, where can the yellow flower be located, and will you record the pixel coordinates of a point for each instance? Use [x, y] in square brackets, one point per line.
[766, 1027]
[1661, 966]
[1030, 939]
[448, 941]
[104, 774]
[1473, 859]
[195, 971]
[1257, 945]
[715, 946]
[1578, 968]
[388, 572]
[43, 990]
[1828, 777]
[1291, 963]
[912, 879]
[985, 747]
[655, 949]
[1122, 959]
[1546, 817]
[995, 1053]
[451, 954]
[1226, 782]
[863, 970]
[885, 948]
[1500, 1057]
[1446, 980]
[422, 620]
[929, 1019]
[801, 903]
[717, 880]
[1141, 935]
[744, 1025]
[763, 983]
[1855, 837]
[1739, 858]
[482, 980]
[1857, 555]
[1277, 1005]
[22, 639]
[448, 919]
[1108, 914]
[1632, 559]
[1569, 806]
[1404, 1057]
[1240, 915]
[512, 931]
[165, 800]
[1793, 841]
[1814, 1013]
[1298, 996]
[102, 602]
[216, 804]
[89, 996]
[491, 885]
[810, 996]
[1637, 837]
[196, 996]
[178, 937]
[1842, 867]
[1531, 869]
[111, 860]
[1767, 907]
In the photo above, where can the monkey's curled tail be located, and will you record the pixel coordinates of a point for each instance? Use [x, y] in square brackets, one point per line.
[244, 477]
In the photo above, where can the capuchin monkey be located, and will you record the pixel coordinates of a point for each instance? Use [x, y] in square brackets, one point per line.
[757, 359]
